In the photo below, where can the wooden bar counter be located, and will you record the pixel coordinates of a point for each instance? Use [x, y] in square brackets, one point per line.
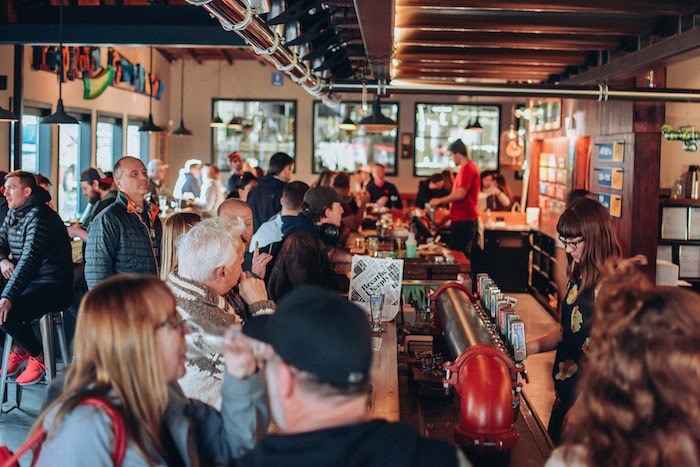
[383, 401]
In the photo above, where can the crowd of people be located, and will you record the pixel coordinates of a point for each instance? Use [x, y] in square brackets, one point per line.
[204, 328]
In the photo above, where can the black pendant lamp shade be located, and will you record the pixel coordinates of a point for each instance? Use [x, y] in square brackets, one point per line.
[181, 130]
[216, 121]
[348, 124]
[7, 116]
[377, 122]
[60, 117]
[236, 124]
[475, 125]
[150, 127]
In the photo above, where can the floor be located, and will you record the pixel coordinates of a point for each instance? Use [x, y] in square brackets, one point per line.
[16, 422]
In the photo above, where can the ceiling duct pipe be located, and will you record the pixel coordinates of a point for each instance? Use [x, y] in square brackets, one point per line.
[600, 92]
[237, 16]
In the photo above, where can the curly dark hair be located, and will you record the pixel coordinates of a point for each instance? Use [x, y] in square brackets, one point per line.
[640, 392]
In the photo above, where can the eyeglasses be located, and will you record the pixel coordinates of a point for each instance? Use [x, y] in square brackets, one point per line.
[179, 324]
[573, 244]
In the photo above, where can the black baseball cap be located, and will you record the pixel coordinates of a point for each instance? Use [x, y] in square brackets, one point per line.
[320, 332]
[91, 174]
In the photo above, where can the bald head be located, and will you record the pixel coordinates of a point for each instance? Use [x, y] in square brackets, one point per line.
[234, 208]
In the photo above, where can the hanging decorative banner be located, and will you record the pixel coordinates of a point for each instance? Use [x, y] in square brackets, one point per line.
[86, 63]
[613, 203]
[93, 87]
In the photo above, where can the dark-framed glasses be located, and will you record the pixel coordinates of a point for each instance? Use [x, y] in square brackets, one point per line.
[571, 243]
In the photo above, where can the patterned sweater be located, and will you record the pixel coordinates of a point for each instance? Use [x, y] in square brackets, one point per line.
[208, 316]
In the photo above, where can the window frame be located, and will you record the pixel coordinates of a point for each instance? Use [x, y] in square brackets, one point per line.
[459, 132]
[387, 109]
[220, 158]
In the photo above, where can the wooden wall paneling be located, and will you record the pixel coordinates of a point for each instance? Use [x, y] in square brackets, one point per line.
[536, 147]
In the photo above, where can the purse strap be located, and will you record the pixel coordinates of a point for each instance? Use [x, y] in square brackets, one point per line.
[118, 427]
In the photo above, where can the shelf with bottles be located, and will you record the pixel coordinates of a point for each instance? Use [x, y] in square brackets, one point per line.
[542, 267]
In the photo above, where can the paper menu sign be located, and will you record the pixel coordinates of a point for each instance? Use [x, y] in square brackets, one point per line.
[376, 276]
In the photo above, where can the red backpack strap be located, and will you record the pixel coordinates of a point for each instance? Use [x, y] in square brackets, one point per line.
[118, 426]
[31, 443]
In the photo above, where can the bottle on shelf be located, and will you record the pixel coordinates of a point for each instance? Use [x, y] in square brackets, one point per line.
[692, 182]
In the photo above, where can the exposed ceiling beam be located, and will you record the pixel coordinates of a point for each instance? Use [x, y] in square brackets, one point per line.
[563, 6]
[523, 22]
[376, 20]
[531, 57]
[665, 52]
[572, 42]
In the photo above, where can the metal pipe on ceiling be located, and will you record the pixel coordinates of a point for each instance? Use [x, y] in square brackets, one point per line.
[600, 92]
[237, 16]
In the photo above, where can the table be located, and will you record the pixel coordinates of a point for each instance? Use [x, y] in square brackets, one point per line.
[383, 400]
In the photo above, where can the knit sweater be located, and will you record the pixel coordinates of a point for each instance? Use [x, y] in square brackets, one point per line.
[208, 316]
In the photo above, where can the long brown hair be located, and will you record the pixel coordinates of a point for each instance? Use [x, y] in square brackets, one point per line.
[640, 391]
[115, 350]
[175, 225]
[588, 218]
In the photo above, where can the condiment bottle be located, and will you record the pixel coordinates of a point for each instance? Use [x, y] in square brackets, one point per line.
[411, 246]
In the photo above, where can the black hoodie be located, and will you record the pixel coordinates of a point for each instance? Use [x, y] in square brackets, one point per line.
[373, 443]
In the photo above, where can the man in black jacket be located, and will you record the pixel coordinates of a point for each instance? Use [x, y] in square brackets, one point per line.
[317, 371]
[307, 253]
[126, 236]
[264, 198]
[36, 265]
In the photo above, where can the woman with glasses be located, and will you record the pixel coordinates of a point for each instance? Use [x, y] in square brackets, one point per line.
[586, 231]
[640, 389]
[130, 351]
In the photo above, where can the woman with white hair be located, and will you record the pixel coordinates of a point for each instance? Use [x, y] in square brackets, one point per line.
[209, 257]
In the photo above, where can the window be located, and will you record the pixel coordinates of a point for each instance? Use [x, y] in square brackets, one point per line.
[437, 125]
[136, 142]
[36, 142]
[336, 148]
[108, 141]
[73, 158]
[262, 129]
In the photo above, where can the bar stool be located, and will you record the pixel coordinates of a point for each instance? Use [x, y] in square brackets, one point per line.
[47, 324]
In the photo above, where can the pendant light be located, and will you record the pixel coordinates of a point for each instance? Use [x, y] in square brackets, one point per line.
[348, 124]
[60, 117]
[181, 130]
[150, 127]
[377, 122]
[216, 121]
[236, 124]
[7, 116]
[475, 126]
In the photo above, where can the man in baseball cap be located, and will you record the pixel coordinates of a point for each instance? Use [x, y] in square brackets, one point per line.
[317, 374]
[308, 253]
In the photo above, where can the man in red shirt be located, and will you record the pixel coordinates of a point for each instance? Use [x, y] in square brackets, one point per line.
[462, 199]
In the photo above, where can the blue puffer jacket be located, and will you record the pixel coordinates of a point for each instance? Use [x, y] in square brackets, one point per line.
[120, 240]
[34, 238]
